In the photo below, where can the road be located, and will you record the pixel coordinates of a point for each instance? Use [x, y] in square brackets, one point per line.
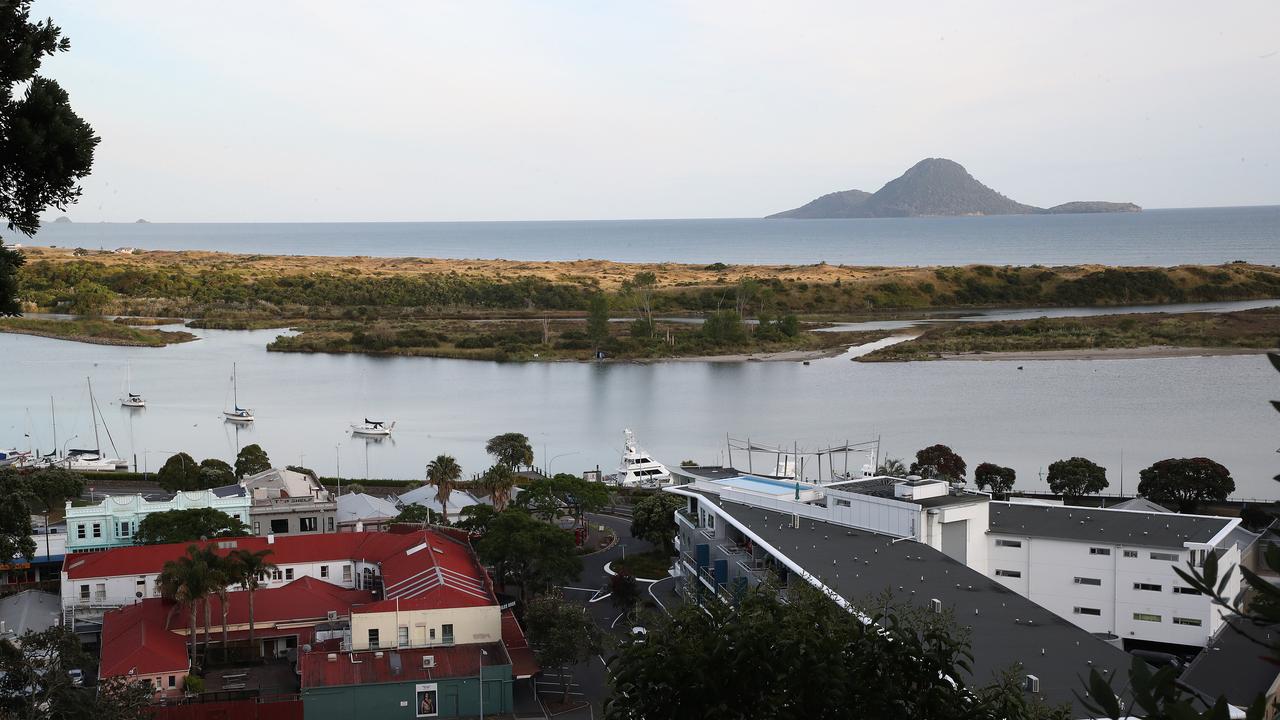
[590, 680]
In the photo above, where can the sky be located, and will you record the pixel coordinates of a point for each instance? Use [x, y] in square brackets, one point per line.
[396, 111]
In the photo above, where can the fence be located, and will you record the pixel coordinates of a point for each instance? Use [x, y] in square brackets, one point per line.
[272, 707]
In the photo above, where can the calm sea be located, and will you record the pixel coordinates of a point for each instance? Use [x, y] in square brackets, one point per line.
[1153, 237]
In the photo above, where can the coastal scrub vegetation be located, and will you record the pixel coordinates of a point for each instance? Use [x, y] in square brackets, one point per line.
[94, 331]
[1244, 329]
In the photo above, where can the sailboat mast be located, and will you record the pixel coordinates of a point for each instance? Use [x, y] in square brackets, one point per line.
[53, 417]
[235, 393]
[97, 445]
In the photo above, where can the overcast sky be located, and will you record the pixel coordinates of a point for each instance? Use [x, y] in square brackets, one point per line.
[326, 111]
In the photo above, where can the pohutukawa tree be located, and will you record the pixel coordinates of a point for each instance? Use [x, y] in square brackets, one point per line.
[994, 477]
[1186, 482]
[1076, 476]
[939, 461]
[45, 148]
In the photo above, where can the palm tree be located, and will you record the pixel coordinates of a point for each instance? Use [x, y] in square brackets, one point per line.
[892, 467]
[250, 568]
[443, 473]
[498, 481]
[187, 580]
[225, 573]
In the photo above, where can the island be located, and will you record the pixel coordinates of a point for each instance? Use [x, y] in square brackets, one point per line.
[934, 187]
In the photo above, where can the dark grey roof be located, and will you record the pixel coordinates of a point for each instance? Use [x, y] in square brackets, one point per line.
[1069, 522]
[1005, 628]
[885, 487]
[225, 491]
[1233, 665]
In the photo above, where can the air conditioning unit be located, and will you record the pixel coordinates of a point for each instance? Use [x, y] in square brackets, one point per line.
[428, 661]
[378, 654]
[935, 605]
[1032, 684]
[332, 615]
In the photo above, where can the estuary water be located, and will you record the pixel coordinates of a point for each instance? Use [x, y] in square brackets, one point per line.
[1123, 414]
[1152, 237]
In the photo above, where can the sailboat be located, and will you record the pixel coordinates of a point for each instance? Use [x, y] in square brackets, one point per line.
[131, 399]
[237, 414]
[92, 460]
[373, 428]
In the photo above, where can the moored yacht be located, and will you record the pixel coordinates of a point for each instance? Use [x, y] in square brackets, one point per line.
[133, 400]
[237, 414]
[372, 428]
[637, 468]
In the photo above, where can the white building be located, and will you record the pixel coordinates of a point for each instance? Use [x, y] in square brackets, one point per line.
[1112, 571]
[114, 521]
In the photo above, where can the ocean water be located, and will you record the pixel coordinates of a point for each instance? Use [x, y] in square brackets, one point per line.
[1153, 237]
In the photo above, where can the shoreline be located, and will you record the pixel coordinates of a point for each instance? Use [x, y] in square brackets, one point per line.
[1150, 352]
[93, 340]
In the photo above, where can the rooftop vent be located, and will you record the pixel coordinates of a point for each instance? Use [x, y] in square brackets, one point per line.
[332, 657]
[332, 615]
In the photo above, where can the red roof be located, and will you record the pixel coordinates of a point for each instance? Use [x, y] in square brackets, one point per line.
[303, 599]
[286, 550]
[136, 637]
[356, 668]
[523, 663]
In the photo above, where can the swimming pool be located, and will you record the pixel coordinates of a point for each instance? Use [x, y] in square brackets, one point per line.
[766, 486]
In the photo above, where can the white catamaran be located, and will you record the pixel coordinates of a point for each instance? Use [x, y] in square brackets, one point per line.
[637, 468]
[237, 414]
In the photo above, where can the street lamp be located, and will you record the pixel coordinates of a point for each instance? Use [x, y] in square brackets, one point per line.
[483, 654]
[68, 442]
[555, 457]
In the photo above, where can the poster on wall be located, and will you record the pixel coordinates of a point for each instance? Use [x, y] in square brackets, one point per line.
[425, 700]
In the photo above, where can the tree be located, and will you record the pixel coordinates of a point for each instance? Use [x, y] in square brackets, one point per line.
[1076, 477]
[893, 467]
[497, 481]
[179, 472]
[250, 569]
[90, 298]
[175, 526]
[188, 580]
[251, 460]
[563, 494]
[640, 289]
[121, 698]
[653, 519]
[598, 320]
[756, 661]
[938, 461]
[418, 515]
[624, 591]
[511, 449]
[45, 148]
[724, 327]
[15, 519]
[999, 479]
[35, 680]
[51, 488]
[561, 634]
[216, 473]
[528, 552]
[475, 519]
[1186, 482]
[443, 474]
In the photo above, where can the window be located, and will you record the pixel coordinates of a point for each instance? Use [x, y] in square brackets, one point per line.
[1147, 586]
[1099, 551]
[84, 592]
[446, 633]
[373, 638]
[1088, 581]
[124, 528]
[275, 574]
[1009, 543]
[402, 636]
[307, 524]
[1168, 557]
[80, 531]
[288, 573]
[1197, 557]
[280, 527]
[346, 573]
[1185, 591]
[1186, 621]
[97, 530]
[257, 528]
[324, 571]
[431, 634]
[1009, 573]
[1087, 611]
[1131, 553]
[330, 523]
[1145, 617]
[173, 681]
[846, 503]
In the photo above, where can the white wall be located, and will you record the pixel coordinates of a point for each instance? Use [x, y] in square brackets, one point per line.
[1049, 568]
